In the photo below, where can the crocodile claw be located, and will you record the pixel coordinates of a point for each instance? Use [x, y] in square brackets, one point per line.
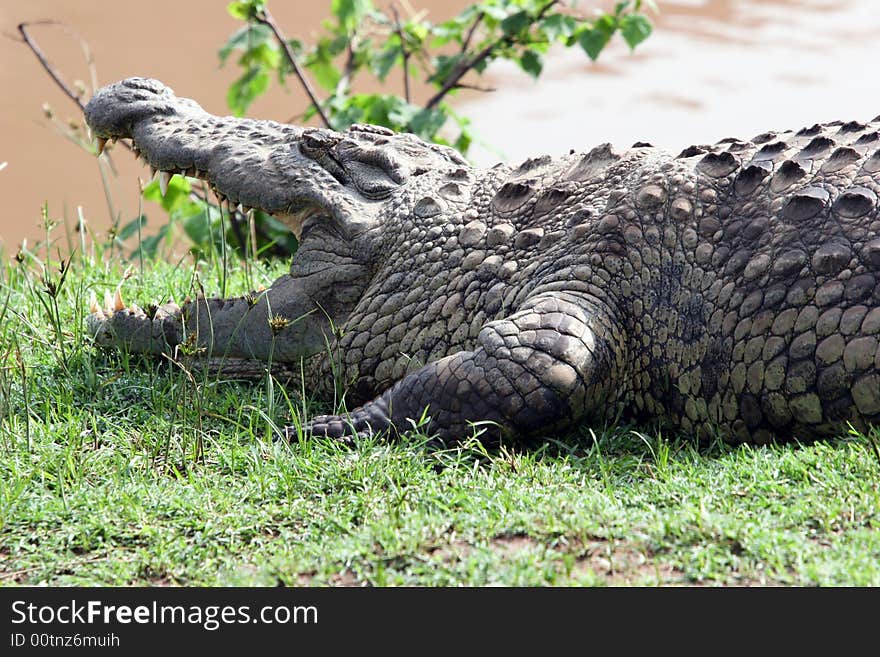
[368, 420]
[326, 426]
[132, 328]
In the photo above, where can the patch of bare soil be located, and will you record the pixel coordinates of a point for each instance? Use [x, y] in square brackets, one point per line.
[624, 564]
[9, 574]
[617, 562]
[344, 578]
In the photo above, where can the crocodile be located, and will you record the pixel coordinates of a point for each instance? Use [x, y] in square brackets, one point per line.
[732, 290]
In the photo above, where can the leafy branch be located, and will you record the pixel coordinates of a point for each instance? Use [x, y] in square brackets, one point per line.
[362, 39]
[477, 61]
[263, 17]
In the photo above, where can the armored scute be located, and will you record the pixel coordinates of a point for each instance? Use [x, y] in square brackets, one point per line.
[732, 290]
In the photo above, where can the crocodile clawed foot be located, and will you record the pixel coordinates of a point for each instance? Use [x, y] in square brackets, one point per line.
[343, 429]
[116, 324]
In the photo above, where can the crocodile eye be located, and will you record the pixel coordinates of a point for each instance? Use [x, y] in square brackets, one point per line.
[316, 140]
[372, 181]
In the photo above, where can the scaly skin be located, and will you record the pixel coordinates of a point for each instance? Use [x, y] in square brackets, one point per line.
[733, 290]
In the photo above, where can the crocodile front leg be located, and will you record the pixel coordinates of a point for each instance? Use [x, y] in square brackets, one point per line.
[236, 336]
[553, 362]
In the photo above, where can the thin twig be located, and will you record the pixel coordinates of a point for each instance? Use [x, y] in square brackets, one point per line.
[51, 70]
[345, 79]
[475, 87]
[265, 18]
[470, 35]
[465, 66]
[403, 51]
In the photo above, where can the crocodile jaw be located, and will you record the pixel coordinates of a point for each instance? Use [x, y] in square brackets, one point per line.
[247, 163]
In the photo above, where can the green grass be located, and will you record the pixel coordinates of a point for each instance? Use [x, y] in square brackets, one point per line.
[118, 471]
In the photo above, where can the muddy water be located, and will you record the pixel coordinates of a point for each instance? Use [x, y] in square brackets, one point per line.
[713, 68]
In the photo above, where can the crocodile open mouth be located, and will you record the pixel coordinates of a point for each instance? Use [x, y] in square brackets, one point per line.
[164, 176]
[248, 164]
[292, 216]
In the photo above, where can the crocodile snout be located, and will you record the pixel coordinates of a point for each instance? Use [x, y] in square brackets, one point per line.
[115, 109]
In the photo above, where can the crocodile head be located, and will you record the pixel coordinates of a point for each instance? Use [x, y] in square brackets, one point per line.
[334, 190]
[284, 170]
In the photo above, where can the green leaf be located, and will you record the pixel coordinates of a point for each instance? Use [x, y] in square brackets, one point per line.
[516, 23]
[621, 6]
[417, 32]
[483, 65]
[245, 90]
[149, 245]
[341, 112]
[238, 10]
[426, 123]
[131, 228]
[203, 228]
[634, 28]
[557, 26]
[385, 60]
[493, 11]
[350, 13]
[266, 55]
[326, 74]
[277, 233]
[451, 30]
[443, 67]
[594, 39]
[296, 46]
[531, 63]
[245, 38]
[335, 46]
[463, 142]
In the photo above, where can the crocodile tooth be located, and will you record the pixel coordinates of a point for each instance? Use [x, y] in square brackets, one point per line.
[93, 303]
[101, 144]
[164, 178]
[118, 303]
[240, 208]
